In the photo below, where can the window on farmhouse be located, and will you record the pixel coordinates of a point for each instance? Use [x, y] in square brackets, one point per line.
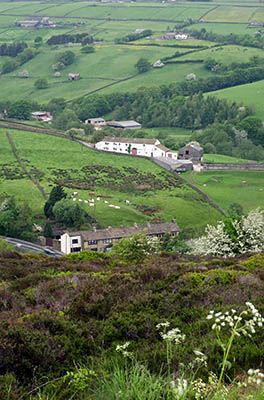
[75, 241]
[90, 242]
[107, 241]
[187, 152]
[75, 250]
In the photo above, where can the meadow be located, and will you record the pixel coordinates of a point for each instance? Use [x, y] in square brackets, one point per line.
[227, 187]
[111, 63]
[251, 94]
[152, 192]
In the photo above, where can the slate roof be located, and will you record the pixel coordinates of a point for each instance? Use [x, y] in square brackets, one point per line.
[124, 124]
[126, 231]
[194, 145]
[130, 140]
[163, 148]
[95, 120]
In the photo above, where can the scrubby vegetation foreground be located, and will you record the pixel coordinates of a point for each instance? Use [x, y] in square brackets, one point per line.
[93, 326]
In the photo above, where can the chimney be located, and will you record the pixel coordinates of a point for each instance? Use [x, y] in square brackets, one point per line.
[94, 228]
[135, 225]
[148, 224]
[174, 220]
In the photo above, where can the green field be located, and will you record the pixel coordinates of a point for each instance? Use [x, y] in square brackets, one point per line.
[225, 29]
[111, 63]
[108, 64]
[251, 94]
[220, 158]
[224, 54]
[53, 158]
[231, 14]
[227, 187]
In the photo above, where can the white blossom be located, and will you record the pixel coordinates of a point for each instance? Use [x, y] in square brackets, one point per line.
[249, 237]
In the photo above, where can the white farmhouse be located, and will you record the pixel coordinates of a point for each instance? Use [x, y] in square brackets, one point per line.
[136, 147]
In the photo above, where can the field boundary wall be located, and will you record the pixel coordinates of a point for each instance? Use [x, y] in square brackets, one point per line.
[203, 194]
[233, 167]
[24, 167]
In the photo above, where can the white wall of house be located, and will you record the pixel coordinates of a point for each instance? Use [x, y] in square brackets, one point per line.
[139, 149]
[69, 243]
[172, 155]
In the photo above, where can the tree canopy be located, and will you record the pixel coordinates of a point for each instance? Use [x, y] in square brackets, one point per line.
[69, 213]
[143, 65]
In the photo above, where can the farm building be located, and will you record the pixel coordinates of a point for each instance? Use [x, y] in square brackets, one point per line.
[254, 24]
[175, 36]
[174, 165]
[192, 151]
[43, 116]
[73, 77]
[124, 124]
[135, 146]
[99, 239]
[158, 64]
[97, 123]
[35, 23]
[190, 77]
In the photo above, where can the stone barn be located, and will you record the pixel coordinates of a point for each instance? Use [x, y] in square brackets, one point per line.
[192, 151]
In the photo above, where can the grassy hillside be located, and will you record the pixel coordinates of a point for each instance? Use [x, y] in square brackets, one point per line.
[111, 63]
[251, 94]
[227, 187]
[153, 193]
[67, 315]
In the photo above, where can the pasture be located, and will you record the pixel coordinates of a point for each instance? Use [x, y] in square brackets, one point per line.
[225, 29]
[251, 94]
[153, 193]
[106, 69]
[227, 187]
[226, 54]
[231, 14]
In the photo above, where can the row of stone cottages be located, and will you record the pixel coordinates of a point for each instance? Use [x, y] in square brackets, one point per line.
[101, 239]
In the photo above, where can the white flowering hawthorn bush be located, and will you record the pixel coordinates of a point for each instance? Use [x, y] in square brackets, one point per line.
[248, 237]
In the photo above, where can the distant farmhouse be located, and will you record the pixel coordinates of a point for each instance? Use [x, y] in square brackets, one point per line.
[124, 124]
[135, 147]
[175, 36]
[192, 151]
[158, 64]
[99, 240]
[73, 77]
[35, 23]
[191, 77]
[97, 123]
[42, 116]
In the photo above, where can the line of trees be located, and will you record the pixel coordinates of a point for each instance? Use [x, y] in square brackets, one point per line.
[12, 63]
[12, 49]
[242, 40]
[83, 38]
[134, 36]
